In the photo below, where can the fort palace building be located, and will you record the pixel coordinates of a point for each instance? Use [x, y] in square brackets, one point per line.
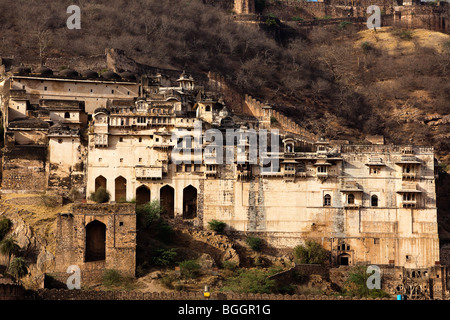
[72, 133]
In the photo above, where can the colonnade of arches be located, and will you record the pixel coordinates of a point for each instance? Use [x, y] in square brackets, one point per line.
[166, 196]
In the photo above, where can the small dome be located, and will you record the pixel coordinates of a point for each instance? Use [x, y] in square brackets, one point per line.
[43, 71]
[69, 73]
[110, 75]
[89, 74]
[21, 71]
[183, 76]
[101, 109]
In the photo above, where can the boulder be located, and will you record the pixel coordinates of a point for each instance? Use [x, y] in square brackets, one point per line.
[206, 261]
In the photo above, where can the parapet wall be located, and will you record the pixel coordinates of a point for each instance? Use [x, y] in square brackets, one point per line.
[64, 294]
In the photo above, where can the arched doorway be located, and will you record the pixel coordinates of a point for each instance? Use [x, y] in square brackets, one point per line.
[344, 259]
[100, 181]
[120, 189]
[167, 196]
[95, 241]
[142, 195]
[189, 202]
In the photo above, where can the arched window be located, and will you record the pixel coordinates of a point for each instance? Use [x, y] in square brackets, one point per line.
[67, 115]
[351, 199]
[327, 200]
[374, 201]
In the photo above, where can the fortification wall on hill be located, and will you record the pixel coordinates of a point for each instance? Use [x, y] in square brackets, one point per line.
[258, 110]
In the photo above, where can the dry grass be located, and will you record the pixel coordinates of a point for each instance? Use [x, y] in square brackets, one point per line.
[40, 217]
[385, 39]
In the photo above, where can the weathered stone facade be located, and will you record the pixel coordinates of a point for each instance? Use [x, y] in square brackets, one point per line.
[96, 237]
[372, 203]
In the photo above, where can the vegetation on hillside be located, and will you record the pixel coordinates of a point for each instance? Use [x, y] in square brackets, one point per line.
[321, 78]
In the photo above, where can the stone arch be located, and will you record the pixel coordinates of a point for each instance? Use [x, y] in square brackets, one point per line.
[120, 189]
[374, 201]
[167, 200]
[351, 198]
[189, 202]
[100, 181]
[95, 241]
[344, 259]
[327, 200]
[142, 195]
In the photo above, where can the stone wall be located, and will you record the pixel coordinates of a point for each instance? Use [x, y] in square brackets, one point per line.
[61, 294]
[258, 110]
[25, 169]
[11, 292]
[119, 221]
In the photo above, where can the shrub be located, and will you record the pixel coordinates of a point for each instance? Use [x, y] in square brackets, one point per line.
[217, 226]
[101, 195]
[112, 277]
[344, 24]
[310, 253]
[167, 281]
[189, 269]
[149, 212]
[49, 201]
[255, 243]
[295, 18]
[9, 247]
[366, 46]
[18, 268]
[5, 226]
[403, 34]
[273, 120]
[164, 231]
[229, 265]
[356, 285]
[250, 281]
[164, 257]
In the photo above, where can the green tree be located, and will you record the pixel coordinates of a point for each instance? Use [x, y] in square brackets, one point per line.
[101, 195]
[310, 253]
[164, 257]
[5, 226]
[18, 268]
[255, 243]
[189, 269]
[149, 212]
[356, 285]
[9, 247]
[217, 226]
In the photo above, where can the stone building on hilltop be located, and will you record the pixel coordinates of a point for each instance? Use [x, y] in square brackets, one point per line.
[145, 140]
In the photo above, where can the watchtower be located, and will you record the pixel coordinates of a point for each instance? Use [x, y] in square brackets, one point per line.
[244, 6]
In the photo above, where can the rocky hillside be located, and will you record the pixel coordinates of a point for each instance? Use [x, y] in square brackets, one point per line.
[33, 220]
[336, 81]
